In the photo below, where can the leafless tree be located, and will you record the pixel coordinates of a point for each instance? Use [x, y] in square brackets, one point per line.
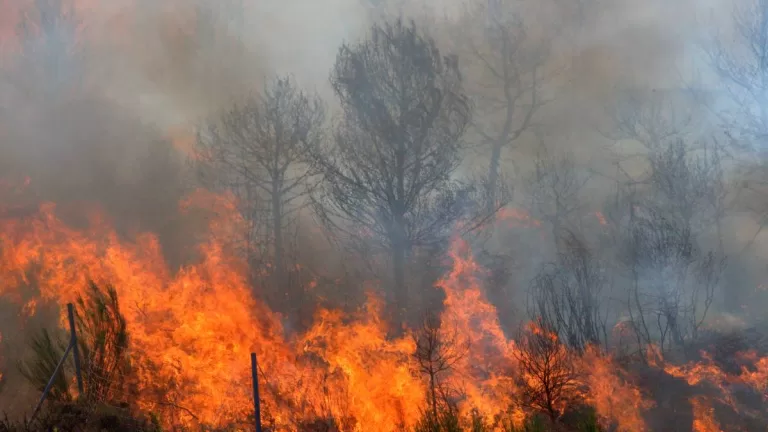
[741, 63]
[661, 217]
[549, 379]
[664, 123]
[389, 173]
[510, 66]
[568, 295]
[260, 149]
[653, 118]
[673, 279]
[553, 189]
[437, 351]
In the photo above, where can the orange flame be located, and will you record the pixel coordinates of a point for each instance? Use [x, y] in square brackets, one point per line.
[192, 329]
[703, 416]
[614, 398]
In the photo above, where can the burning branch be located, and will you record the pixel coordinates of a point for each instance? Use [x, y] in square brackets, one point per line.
[437, 351]
[548, 371]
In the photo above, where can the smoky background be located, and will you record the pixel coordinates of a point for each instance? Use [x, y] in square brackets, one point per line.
[100, 106]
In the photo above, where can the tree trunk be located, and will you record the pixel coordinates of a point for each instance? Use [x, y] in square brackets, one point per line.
[556, 231]
[277, 232]
[433, 391]
[398, 273]
[493, 176]
[250, 246]
[400, 245]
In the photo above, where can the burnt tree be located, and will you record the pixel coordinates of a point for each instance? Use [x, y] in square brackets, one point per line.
[666, 218]
[673, 278]
[553, 190]
[567, 295]
[437, 351]
[510, 66]
[260, 149]
[549, 379]
[389, 172]
[741, 63]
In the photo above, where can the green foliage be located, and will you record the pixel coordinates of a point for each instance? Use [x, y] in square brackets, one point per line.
[103, 345]
[584, 420]
[103, 337]
[478, 423]
[507, 425]
[536, 424]
[155, 420]
[581, 418]
[588, 422]
[447, 420]
[38, 370]
[82, 417]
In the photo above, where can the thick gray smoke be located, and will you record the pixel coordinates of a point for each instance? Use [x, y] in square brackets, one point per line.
[99, 105]
[100, 100]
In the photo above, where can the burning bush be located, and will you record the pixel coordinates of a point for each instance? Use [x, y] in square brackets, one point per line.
[103, 347]
[548, 370]
[190, 334]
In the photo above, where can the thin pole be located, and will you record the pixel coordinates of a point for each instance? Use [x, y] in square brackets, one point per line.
[256, 402]
[75, 351]
[50, 382]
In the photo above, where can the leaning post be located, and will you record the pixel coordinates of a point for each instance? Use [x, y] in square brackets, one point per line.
[75, 350]
[256, 402]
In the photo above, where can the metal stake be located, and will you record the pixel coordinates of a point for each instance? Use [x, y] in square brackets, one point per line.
[75, 351]
[256, 402]
[50, 383]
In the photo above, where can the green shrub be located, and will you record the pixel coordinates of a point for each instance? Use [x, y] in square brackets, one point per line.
[447, 421]
[38, 370]
[102, 344]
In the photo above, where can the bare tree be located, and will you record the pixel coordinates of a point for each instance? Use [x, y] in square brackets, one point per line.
[567, 295]
[553, 188]
[653, 118]
[673, 280]
[741, 63]
[666, 213]
[509, 64]
[437, 351]
[549, 378]
[260, 148]
[389, 175]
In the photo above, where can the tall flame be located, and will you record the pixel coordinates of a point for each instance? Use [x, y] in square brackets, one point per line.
[192, 328]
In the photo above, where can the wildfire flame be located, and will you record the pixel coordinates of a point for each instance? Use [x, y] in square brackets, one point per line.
[196, 326]
[192, 328]
[191, 331]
